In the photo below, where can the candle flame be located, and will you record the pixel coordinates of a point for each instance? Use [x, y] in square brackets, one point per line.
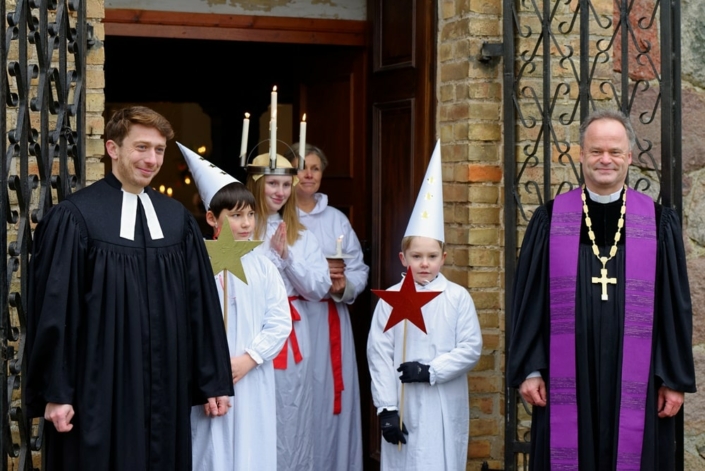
[274, 89]
[247, 115]
[340, 238]
[304, 118]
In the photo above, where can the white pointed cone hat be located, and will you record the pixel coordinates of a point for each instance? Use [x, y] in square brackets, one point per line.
[209, 179]
[427, 218]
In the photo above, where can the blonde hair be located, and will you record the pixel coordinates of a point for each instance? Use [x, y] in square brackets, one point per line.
[406, 242]
[288, 212]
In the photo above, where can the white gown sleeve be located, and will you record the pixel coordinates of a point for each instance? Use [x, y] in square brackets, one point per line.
[277, 319]
[468, 345]
[380, 357]
[307, 269]
[356, 272]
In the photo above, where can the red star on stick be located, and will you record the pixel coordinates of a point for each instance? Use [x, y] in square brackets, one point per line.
[406, 303]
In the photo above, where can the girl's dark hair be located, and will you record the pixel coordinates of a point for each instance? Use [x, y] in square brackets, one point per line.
[232, 195]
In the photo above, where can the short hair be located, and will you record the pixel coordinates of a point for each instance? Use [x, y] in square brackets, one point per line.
[609, 114]
[122, 120]
[232, 196]
[293, 154]
[406, 242]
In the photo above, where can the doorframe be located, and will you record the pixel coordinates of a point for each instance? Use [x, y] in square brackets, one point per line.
[279, 30]
[247, 28]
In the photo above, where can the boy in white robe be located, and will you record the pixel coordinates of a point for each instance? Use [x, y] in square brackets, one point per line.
[434, 430]
[258, 323]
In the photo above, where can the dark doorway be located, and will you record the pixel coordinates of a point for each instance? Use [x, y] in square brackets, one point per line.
[205, 87]
[369, 96]
[225, 78]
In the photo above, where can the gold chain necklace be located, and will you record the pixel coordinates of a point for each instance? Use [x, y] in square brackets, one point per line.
[602, 279]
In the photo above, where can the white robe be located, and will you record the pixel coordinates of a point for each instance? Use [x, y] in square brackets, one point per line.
[305, 273]
[259, 323]
[337, 437]
[436, 415]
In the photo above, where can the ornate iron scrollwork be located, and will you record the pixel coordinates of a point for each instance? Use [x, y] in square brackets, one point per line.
[43, 97]
[563, 59]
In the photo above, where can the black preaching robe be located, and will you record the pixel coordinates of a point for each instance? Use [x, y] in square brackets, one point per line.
[599, 328]
[130, 333]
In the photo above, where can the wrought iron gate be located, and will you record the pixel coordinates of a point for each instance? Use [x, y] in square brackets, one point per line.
[42, 153]
[562, 59]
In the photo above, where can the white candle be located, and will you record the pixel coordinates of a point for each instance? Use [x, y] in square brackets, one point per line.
[243, 142]
[339, 246]
[302, 143]
[273, 129]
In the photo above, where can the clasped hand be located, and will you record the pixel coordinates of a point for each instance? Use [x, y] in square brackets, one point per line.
[278, 241]
[217, 406]
[336, 268]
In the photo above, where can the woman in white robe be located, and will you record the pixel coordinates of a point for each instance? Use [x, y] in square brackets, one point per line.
[295, 252]
[336, 417]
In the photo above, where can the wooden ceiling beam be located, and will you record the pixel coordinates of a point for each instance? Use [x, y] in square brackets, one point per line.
[163, 24]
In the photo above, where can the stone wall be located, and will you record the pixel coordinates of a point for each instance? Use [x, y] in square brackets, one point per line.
[693, 90]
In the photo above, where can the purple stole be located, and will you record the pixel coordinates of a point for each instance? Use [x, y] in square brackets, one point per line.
[640, 246]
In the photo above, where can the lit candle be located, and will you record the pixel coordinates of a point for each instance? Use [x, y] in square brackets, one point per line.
[243, 142]
[302, 143]
[339, 246]
[273, 129]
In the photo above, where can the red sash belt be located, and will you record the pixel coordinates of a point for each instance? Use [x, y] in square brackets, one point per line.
[336, 355]
[281, 359]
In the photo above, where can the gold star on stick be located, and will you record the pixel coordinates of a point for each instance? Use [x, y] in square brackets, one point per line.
[226, 252]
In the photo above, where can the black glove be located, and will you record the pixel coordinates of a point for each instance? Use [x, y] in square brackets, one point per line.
[389, 423]
[414, 372]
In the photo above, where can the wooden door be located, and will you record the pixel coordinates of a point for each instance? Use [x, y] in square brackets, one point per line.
[402, 93]
[333, 94]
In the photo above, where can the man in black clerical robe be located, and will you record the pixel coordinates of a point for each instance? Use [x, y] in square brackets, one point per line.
[598, 325]
[125, 331]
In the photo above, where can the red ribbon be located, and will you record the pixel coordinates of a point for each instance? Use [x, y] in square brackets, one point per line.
[281, 359]
[336, 355]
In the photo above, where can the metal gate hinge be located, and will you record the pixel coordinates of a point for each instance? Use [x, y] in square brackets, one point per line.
[491, 50]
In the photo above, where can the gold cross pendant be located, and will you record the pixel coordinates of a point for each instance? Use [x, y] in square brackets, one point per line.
[603, 280]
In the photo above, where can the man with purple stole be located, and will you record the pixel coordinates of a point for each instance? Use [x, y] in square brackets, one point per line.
[602, 319]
